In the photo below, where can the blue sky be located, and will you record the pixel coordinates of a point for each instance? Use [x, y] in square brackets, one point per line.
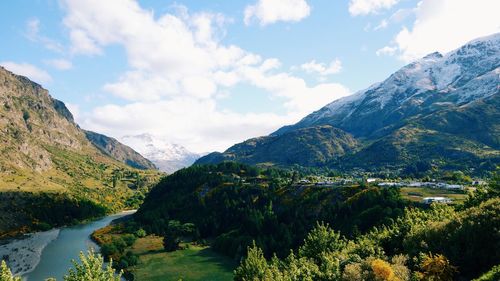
[208, 74]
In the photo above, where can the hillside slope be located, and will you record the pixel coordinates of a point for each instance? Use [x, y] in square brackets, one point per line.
[44, 151]
[311, 146]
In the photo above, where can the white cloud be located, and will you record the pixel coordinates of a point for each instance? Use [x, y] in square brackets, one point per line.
[382, 25]
[82, 44]
[25, 69]
[60, 64]
[196, 124]
[365, 7]
[33, 34]
[321, 68]
[445, 25]
[395, 18]
[301, 99]
[400, 15]
[271, 11]
[179, 69]
[386, 51]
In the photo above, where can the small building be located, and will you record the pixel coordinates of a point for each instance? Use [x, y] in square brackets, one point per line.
[454, 186]
[390, 184]
[430, 200]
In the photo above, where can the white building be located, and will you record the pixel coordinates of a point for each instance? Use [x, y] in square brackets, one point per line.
[429, 200]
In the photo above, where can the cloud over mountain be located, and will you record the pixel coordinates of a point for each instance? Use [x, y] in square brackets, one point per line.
[182, 83]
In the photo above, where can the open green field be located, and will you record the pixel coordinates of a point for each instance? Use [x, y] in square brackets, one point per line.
[416, 194]
[193, 263]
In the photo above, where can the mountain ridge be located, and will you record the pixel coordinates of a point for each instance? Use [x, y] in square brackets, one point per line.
[434, 74]
[436, 99]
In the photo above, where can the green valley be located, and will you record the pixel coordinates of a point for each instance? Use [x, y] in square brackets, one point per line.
[250, 140]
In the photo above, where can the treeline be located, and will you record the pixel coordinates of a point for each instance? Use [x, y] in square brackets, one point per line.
[234, 205]
[43, 211]
[114, 241]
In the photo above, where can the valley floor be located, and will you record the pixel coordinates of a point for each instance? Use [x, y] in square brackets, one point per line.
[193, 263]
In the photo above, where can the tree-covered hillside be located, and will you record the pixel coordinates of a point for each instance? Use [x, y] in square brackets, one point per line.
[294, 230]
[236, 204]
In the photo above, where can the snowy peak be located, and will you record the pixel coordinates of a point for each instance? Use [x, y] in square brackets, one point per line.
[433, 56]
[425, 85]
[167, 156]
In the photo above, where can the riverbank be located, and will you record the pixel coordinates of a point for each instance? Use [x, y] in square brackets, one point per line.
[23, 255]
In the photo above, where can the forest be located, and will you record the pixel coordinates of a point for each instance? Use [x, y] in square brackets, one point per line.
[281, 230]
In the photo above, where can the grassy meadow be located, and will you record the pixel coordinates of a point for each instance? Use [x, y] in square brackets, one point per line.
[193, 263]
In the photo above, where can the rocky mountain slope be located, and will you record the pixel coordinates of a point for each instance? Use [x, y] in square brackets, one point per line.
[168, 157]
[427, 85]
[441, 109]
[43, 151]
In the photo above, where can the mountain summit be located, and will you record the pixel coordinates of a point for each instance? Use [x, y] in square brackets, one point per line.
[440, 109]
[466, 74]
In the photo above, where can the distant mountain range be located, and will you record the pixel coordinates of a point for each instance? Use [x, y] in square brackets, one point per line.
[168, 157]
[439, 111]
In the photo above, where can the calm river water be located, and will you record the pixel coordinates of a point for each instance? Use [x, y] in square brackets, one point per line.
[57, 255]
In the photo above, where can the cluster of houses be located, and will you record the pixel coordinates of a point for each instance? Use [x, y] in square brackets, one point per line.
[326, 182]
[423, 184]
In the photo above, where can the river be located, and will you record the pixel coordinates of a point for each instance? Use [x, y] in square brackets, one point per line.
[57, 252]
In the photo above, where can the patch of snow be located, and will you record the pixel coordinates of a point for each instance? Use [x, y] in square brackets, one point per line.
[168, 157]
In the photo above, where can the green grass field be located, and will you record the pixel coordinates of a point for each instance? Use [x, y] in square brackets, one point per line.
[416, 194]
[194, 263]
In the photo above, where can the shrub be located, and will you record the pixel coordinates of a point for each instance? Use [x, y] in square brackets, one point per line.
[91, 268]
[140, 233]
[6, 274]
[436, 267]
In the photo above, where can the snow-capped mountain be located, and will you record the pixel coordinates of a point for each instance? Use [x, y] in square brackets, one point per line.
[426, 85]
[168, 157]
[438, 111]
